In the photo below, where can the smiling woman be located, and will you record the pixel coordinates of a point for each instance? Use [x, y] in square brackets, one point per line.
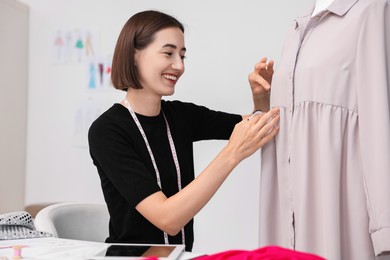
[161, 64]
[143, 146]
[138, 32]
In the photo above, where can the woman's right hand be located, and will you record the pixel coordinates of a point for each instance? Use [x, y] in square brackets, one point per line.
[252, 133]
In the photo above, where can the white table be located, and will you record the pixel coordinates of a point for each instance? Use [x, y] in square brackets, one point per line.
[58, 248]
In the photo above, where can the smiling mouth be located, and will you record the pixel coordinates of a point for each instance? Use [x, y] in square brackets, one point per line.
[170, 77]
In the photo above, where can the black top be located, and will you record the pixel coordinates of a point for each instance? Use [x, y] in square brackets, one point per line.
[126, 170]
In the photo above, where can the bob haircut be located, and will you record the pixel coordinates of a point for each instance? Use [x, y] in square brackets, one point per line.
[136, 34]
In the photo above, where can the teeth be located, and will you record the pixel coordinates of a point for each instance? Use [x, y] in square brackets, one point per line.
[171, 77]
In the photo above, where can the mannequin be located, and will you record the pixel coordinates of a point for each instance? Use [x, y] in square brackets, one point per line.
[320, 6]
[324, 177]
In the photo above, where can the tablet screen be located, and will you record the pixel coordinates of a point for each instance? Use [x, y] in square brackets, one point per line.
[135, 251]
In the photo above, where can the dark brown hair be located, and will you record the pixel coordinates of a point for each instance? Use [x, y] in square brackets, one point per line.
[137, 33]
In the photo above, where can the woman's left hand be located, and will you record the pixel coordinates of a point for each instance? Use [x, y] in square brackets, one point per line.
[260, 78]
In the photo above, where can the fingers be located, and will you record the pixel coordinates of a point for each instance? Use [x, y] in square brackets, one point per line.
[261, 65]
[272, 112]
[265, 139]
[268, 127]
[261, 81]
[270, 66]
[255, 79]
[261, 76]
[265, 123]
[251, 134]
[264, 118]
[264, 65]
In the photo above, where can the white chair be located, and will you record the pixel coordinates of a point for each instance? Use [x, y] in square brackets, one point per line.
[78, 221]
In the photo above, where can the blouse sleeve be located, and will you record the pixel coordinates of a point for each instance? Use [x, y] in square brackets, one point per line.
[373, 74]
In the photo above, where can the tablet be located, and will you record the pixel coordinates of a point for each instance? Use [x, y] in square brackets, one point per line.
[139, 251]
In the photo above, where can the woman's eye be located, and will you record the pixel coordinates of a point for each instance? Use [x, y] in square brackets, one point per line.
[170, 54]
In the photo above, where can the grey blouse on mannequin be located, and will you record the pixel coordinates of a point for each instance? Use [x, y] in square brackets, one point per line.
[325, 178]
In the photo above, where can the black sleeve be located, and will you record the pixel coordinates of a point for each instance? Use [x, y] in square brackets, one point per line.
[202, 122]
[120, 167]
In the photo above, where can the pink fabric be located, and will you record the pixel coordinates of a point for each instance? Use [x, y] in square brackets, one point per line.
[264, 253]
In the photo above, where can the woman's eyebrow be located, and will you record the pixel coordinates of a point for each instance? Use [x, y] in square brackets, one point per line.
[169, 45]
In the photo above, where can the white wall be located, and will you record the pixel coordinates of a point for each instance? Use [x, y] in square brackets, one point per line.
[224, 40]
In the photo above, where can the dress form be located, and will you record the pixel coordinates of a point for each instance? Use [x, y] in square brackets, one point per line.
[321, 5]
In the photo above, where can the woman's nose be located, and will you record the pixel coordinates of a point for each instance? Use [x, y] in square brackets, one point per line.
[178, 65]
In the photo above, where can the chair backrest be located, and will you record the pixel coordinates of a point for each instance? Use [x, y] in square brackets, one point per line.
[79, 221]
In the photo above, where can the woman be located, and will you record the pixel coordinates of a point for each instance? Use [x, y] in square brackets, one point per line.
[325, 179]
[142, 147]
